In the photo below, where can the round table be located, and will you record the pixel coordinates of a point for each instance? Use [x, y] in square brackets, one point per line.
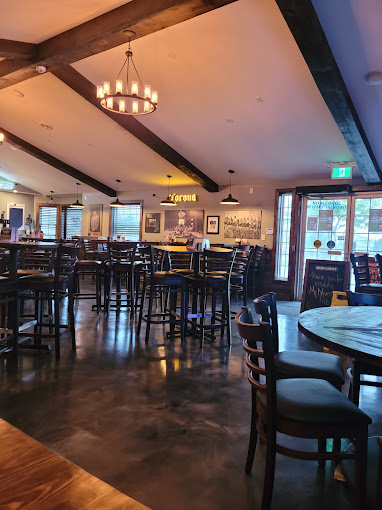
[355, 331]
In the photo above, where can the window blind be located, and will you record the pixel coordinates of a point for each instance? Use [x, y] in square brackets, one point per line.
[47, 219]
[71, 222]
[126, 222]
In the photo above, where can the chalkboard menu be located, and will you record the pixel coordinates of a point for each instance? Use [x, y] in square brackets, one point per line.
[321, 278]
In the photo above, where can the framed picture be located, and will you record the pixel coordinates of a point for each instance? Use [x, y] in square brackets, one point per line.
[213, 224]
[95, 222]
[152, 223]
[242, 224]
[184, 223]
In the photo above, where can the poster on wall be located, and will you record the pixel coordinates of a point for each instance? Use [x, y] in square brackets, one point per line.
[152, 223]
[311, 223]
[325, 220]
[375, 220]
[213, 224]
[95, 219]
[184, 223]
[242, 224]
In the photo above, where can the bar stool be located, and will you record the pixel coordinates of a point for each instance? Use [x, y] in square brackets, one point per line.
[9, 313]
[165, 283]
[47, 286]
[120, 267]
[93, 268]
[360, 265]
[215, 280]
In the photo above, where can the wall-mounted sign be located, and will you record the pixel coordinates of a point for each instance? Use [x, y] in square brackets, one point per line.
[7, 185]
[317, 243]
[341, 172]
[183, 198]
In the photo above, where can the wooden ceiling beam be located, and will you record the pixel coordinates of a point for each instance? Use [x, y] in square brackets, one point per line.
[17, 49]
[56, 163]
[107, 31]
[77, 82]
[309, 35]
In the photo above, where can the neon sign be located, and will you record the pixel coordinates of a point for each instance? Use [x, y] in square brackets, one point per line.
[183, 198]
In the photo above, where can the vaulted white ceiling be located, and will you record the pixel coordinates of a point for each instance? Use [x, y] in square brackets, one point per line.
[208, 72]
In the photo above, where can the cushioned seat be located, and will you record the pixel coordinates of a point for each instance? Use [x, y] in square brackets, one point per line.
[371, 288]
[319, 365]
[88, 263]
[26, 272]
[41, 277]
[313, 401]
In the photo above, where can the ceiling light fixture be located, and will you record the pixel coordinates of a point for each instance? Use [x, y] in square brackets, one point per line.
[168, 200]
[230, 200]
[117, 203]
[77, 204]
[1, 138]
[15, 188]
[51, 199]
[127, 103]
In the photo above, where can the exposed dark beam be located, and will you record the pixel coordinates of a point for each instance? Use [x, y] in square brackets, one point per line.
[305, 26]
[107, 31]
[17, 49]
[56, 163]
[88, 91]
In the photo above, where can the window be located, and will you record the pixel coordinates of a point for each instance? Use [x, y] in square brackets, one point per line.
[283, 236]
[71, 222]
[126, 221]
[47, 220]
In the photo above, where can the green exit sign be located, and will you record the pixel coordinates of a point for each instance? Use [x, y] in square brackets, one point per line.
[341, 172]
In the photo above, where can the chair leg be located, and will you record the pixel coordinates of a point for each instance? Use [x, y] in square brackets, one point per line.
[322, 449]
[71, 317]
[355, 386]
[131, 290]
[183, 312]
[361, 469]
[228, 316]
[149, 313]
[57, 324]
[202, 310]
[253, 435]
[269, 470]
[141, 306]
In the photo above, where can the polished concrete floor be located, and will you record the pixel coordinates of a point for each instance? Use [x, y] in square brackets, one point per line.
[165, 423]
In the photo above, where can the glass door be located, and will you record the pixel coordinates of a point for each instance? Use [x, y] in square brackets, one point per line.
[325, 231]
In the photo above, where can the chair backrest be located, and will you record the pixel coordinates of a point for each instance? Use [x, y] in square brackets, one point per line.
[360, 266]
[221, 261]
[266, 307]
[41, 260]
[65, 261]
[180, 260]
[260, 358]
[243, 260]
[122, 252]
[359, 298]
[378, 258]
[258, 255]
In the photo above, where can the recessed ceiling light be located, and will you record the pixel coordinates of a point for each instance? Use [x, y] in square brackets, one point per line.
[229, 121]
[172, 55]
[18, 93]
[46, 126]
[259, 99]
[373, 78]
[41, 69]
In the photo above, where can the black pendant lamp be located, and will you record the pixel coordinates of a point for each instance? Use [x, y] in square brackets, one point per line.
[230, 200]
[168, 200]
[77, 204]
[117, 203]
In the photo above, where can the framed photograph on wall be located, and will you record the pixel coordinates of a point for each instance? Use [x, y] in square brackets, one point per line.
[213, 224]
[152, 223]
[184, 222]
[95, 222]
[242, 224]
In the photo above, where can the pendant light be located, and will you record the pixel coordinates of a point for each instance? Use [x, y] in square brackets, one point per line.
[168, 200]
[230, 200]
[77, 204]
[116, 202]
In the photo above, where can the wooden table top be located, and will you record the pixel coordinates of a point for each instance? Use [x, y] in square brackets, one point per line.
[6, 243]
[183, 249]
[35, 478]
[355, 331]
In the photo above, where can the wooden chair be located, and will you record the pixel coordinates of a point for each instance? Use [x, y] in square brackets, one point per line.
[165, 284]
[240, 270]
[301, 408]
[296, 363]
[214, 281]
[360, 266]
[180, 262]
[361, 368]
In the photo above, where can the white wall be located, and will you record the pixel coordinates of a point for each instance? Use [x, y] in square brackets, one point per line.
[262, 198]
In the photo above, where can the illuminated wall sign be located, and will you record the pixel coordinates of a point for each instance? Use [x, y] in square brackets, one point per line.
[7, 185]
[341, 172]
[183, 198]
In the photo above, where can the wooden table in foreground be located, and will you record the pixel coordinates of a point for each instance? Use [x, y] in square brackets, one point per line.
[35, 478]
[355, 331]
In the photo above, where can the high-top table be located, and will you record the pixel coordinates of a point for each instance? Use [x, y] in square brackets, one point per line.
[355, 331]
[34, 477]
[15, 247]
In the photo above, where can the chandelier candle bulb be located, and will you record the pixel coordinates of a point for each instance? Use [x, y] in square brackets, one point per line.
[134, 87]
[119, 86]
[147, 92]
[109, 102]
[154, 97]
[135, 106]
[121, 105]
[100, 93]
[1, 138]
[147, 107]
[106, 87]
